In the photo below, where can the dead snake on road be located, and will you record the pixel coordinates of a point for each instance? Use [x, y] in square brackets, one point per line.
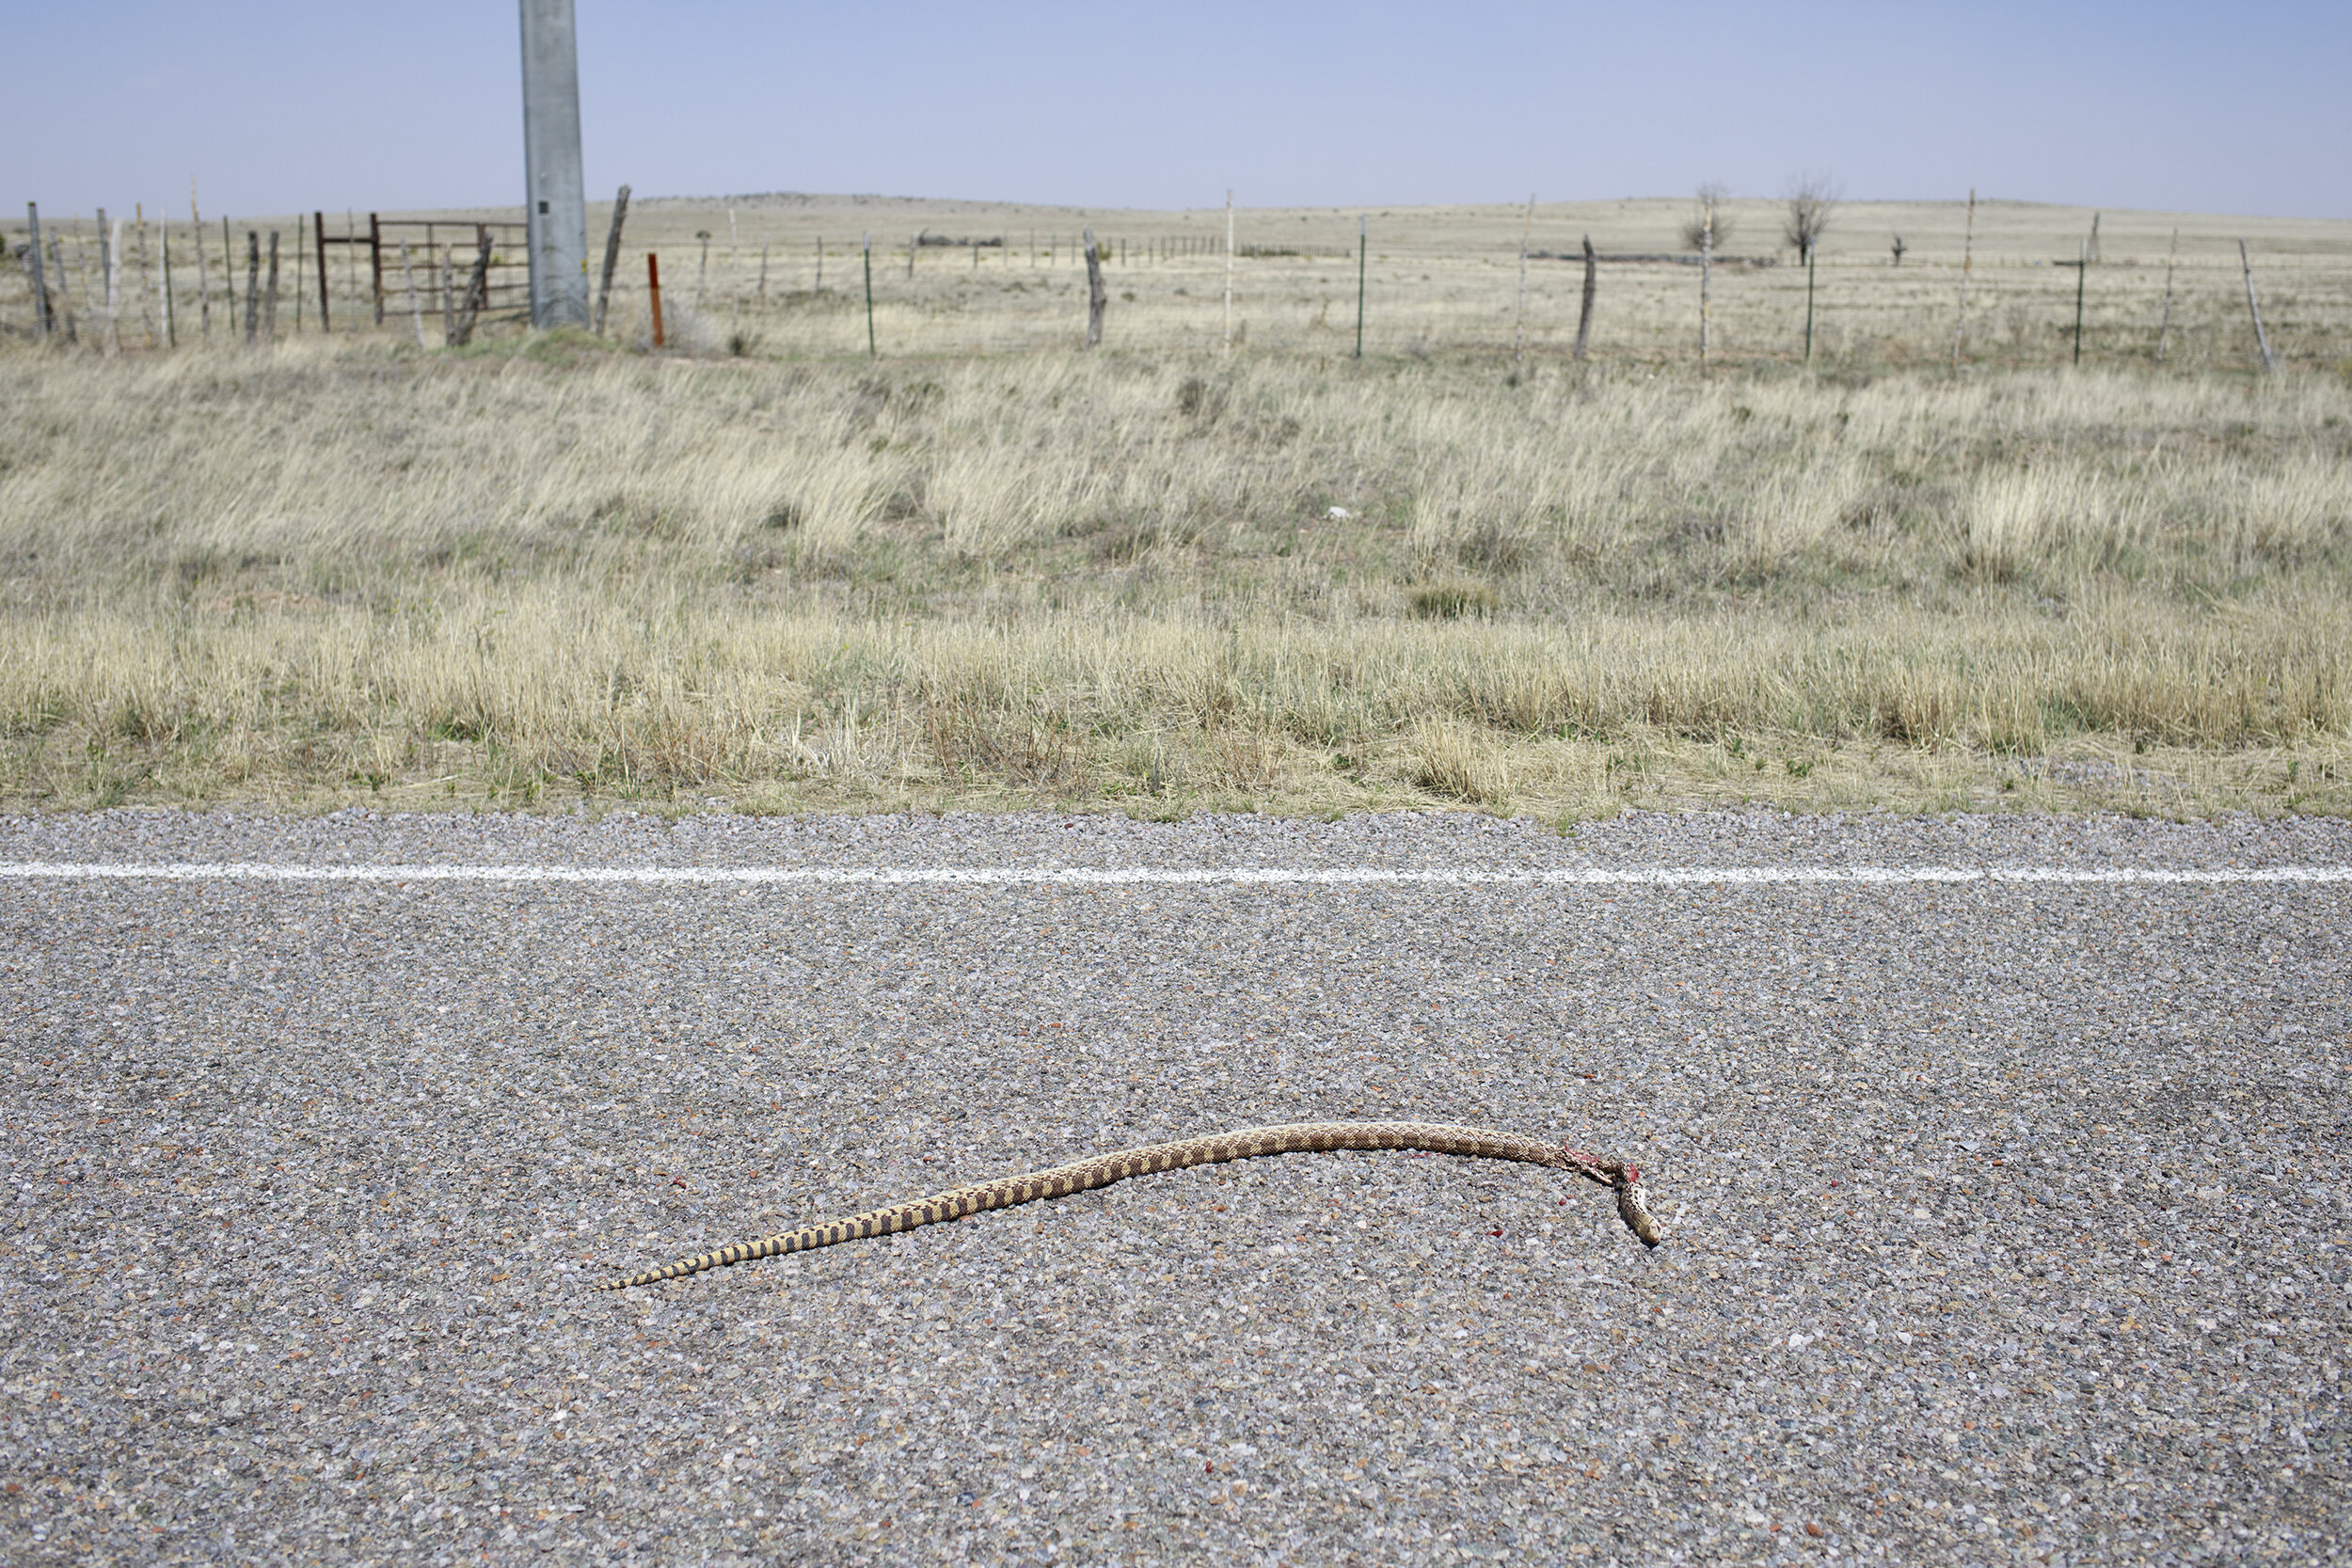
[1101, 1171]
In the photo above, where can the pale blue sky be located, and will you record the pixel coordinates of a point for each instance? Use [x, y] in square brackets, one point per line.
[277, 106]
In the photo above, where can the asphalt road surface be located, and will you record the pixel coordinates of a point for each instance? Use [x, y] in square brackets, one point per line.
[2006, 1214]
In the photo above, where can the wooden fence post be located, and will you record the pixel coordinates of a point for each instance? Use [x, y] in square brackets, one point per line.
[1363, 252]
[62, 303]
[1098, 296]
[203, 277]
[871, 352]
[761, 297]
[109, 263]
[2262, 338]
[162, 234]
[1967, 262]
[146, 276]
[477, 287]
[415, 306]
[252, 286]
[1706, 269]
[43, 318]
[27, 257]
[269, 309]
[376, 263]
[2164, 327]
[1518, 318]
[229, 272]
[817, 286]
[1229, 270]
[1810, 257]
[1585, 313]
[300, 258]
[2082, 279]
[449, 295]
[611, 256]
[318, 230]
[653, 292]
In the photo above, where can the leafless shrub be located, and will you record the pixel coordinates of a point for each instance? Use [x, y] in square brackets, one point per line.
[1811, 199]
[1708, 206]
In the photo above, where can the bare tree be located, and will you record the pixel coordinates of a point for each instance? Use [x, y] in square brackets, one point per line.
[1706, 207]
[1811, 199]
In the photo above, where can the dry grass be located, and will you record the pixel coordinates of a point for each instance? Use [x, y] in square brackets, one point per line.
[547, 571]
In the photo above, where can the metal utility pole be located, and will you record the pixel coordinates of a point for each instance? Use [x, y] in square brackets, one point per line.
[556, 197]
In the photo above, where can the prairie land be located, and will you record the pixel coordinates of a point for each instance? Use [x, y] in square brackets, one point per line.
[982, 567]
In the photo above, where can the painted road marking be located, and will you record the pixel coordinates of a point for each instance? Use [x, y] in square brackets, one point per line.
[1243, 876]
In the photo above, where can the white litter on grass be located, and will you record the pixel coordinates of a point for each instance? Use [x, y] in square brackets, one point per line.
[1340, 515]
[1146, 876]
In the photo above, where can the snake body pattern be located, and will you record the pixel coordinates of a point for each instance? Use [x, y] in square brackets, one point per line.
[1101, 1171]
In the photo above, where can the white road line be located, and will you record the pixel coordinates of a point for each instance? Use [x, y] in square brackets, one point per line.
[1009, 875]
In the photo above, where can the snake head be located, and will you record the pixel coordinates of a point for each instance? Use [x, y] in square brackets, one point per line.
[1635, 1213]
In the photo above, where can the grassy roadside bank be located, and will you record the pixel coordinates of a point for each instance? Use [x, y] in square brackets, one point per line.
[548, 573]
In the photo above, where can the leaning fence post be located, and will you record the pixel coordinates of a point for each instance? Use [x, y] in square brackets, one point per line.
[611, 256]
[416, 306]
[1098, 296]
[1584, 314]
[252, 286]
[2262, 338]
[43, 318]
[318, 226]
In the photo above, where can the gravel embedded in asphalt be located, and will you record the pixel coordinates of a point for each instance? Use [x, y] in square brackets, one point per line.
[2005, 1223]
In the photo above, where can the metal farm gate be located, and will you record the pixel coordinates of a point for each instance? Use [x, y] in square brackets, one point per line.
[464, 271]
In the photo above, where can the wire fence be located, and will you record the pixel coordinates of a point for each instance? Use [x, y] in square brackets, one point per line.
[1417, 285]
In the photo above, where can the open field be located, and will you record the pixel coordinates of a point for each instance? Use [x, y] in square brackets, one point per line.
[988, 569]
